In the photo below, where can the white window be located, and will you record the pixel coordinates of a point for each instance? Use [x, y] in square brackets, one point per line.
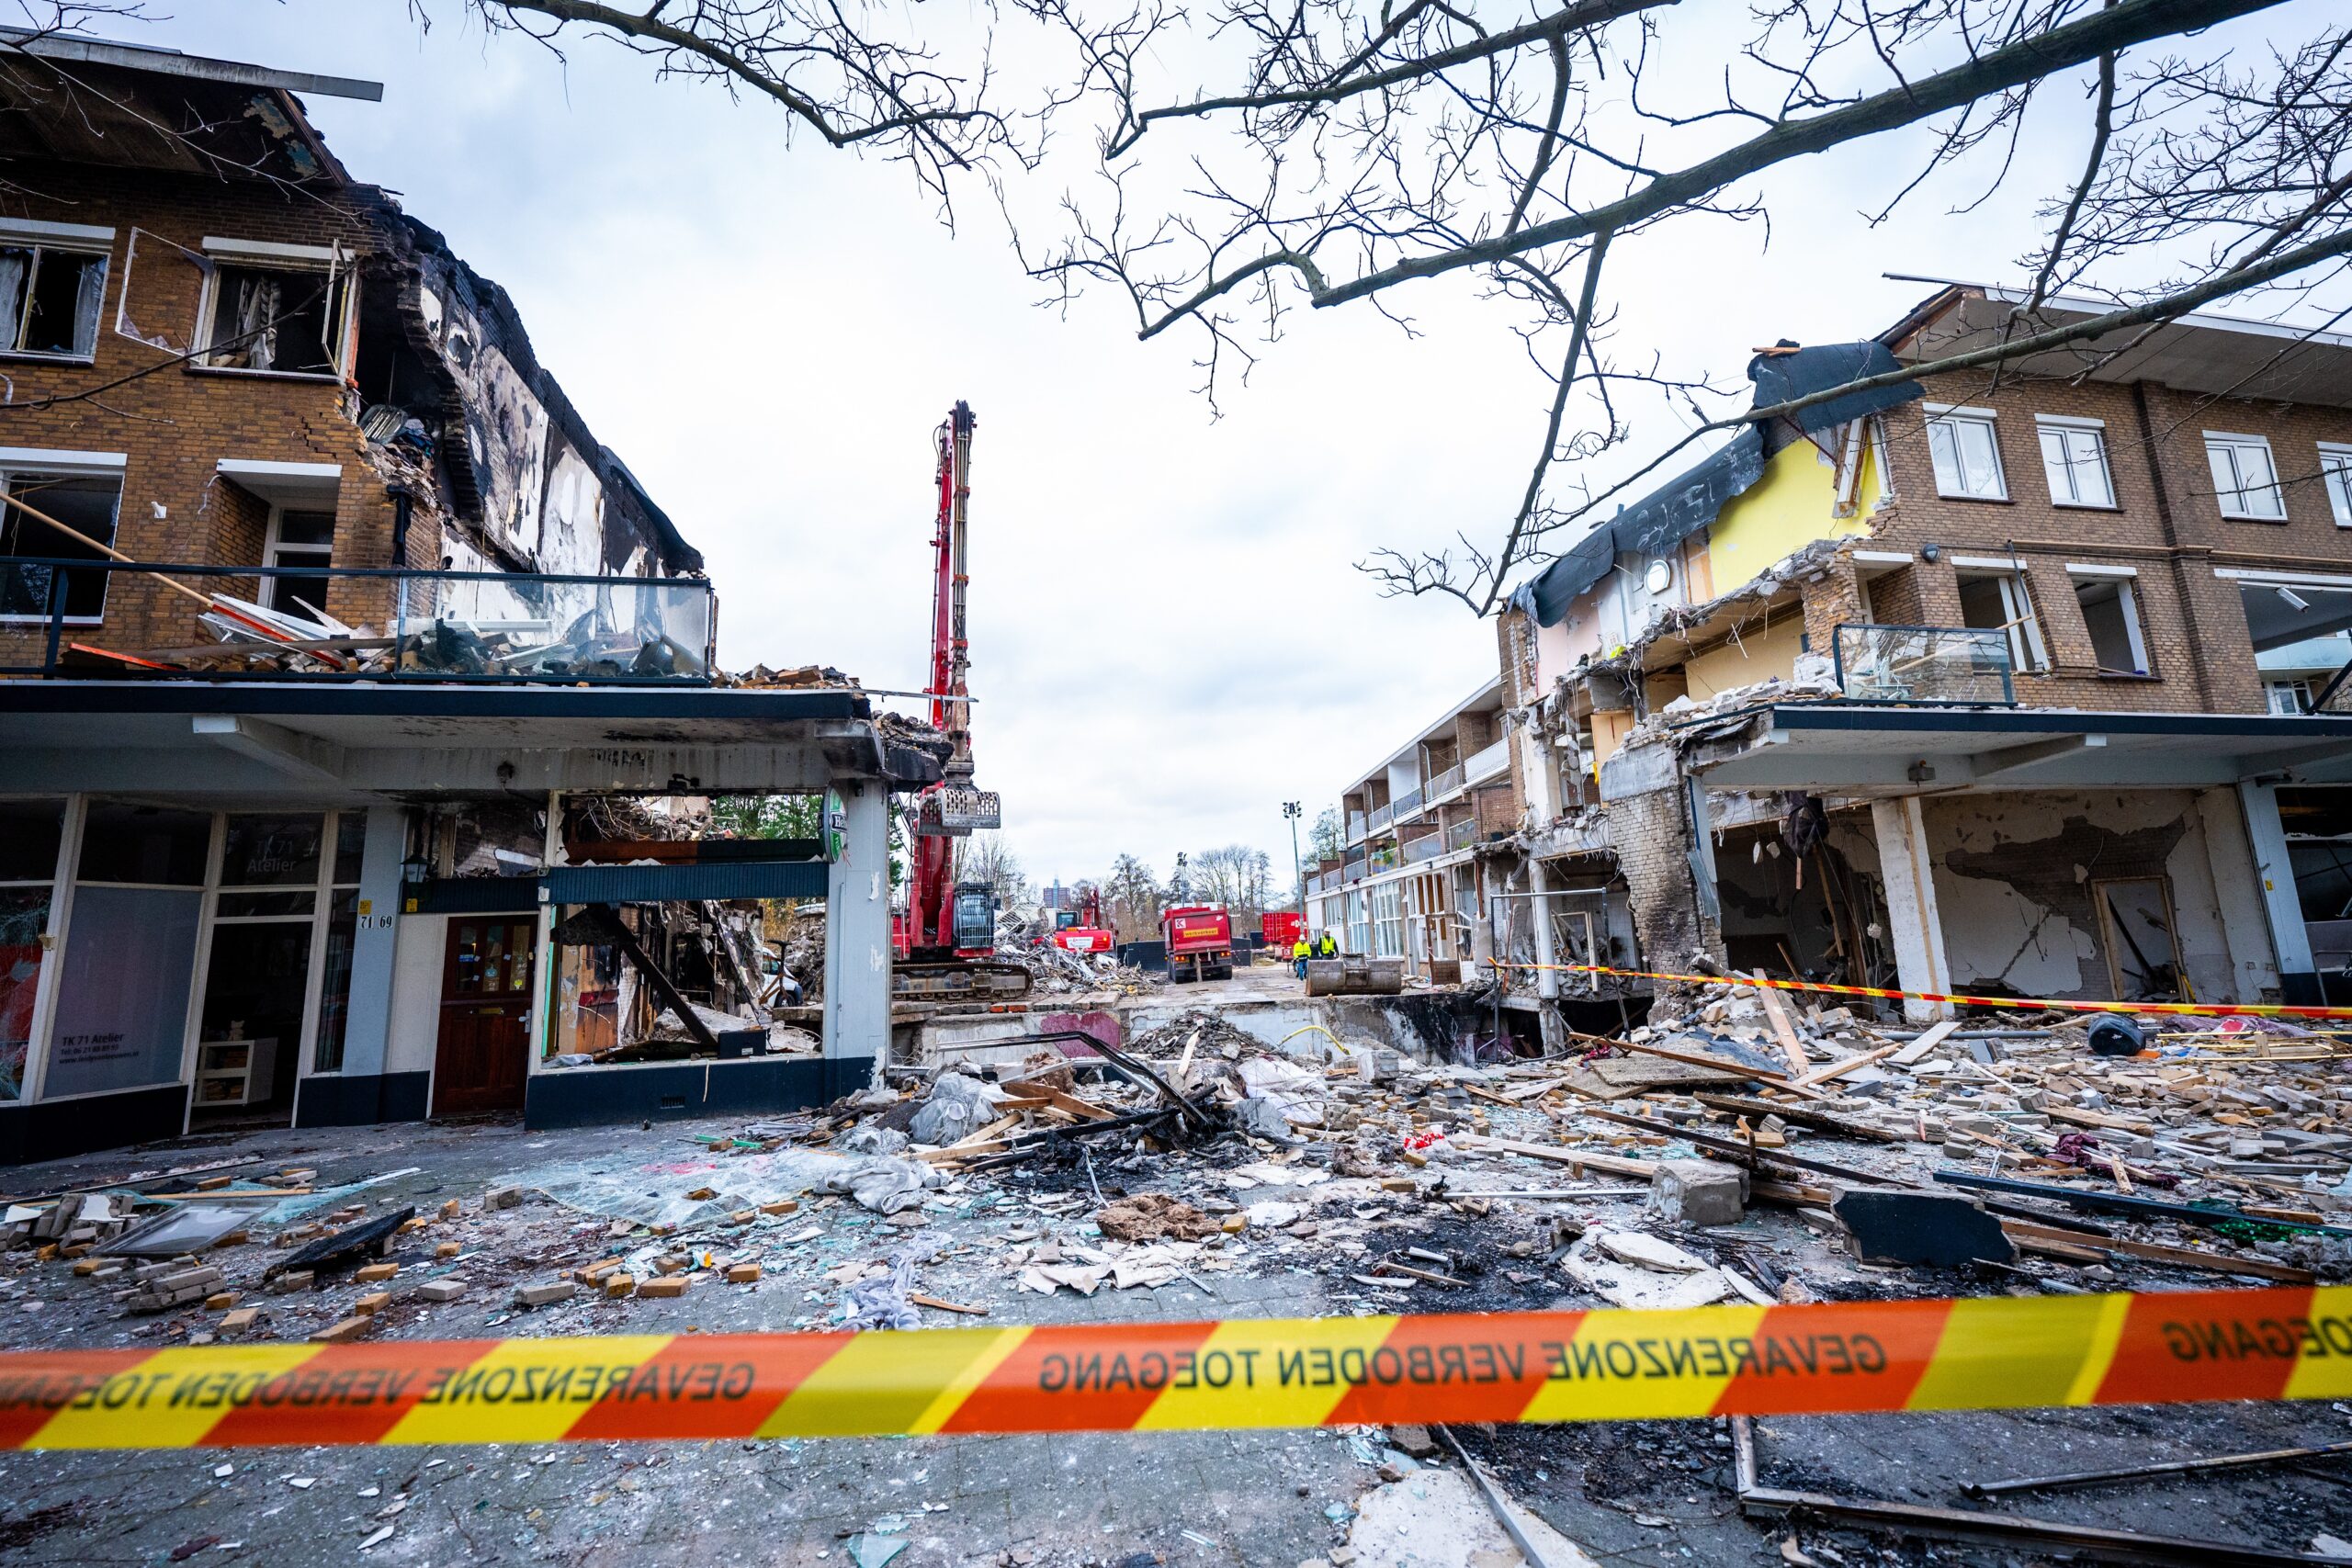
[2335, 467]
[2073, 455]
[2000, 601]
[2290, 698]
[299, 539]
[49, 299]
[2246, 480]
[2112, 615]
[1968, 458]
[85, 496]
[279, 308]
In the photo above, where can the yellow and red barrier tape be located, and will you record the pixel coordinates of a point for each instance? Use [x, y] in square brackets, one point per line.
[2024, 1004]
[1998, 1353]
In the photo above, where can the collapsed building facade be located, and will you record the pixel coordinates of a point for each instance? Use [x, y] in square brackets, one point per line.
[346, 663]
[2022, 683]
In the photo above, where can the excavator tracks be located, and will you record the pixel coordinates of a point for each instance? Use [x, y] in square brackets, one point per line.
[964, 980]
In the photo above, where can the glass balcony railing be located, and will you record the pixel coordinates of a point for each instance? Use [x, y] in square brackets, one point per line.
[1487, 761]
[1445, 783]
[1924, 664]
[314, 622]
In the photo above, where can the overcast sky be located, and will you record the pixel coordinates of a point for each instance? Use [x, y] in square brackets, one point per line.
[1168, 635]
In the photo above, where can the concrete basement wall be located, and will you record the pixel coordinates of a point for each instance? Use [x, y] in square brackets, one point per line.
[2014, 875]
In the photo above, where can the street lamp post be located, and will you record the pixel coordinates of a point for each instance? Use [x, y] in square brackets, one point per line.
[1292, 812]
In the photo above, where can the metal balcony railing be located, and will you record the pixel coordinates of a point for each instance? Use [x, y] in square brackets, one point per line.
[1924, 664]
[1487, 761]
[249, 622]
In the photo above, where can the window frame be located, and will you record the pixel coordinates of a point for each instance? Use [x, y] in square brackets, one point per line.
[2064, 425]
[1952, 416]
[2029, 652]
[275, 551]
[338, 264]
[2227, 441]
[2336, 474]
[29, 462]
[2125, 582]
[84, 240]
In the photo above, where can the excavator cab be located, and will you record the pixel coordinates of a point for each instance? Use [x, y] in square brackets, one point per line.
[975, 918]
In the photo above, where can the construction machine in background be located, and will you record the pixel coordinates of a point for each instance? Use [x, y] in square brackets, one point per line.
[947, 936]
[1082, 930]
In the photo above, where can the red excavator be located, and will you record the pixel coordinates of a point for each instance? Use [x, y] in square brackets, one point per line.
[947, 934]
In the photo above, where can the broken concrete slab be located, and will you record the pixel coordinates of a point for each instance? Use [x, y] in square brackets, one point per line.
[1699, 1192]
[1935, 1230]
[1434, 1517]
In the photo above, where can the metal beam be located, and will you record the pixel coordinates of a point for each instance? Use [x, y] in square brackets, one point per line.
[172, 63]
[2032, 754]
[287, 751]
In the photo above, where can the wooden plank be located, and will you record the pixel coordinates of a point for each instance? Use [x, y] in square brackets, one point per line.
[2098, 1119]
[2024, 1231]
[1918, 1049]
[1785, 1029]
[1840, 1069]
[1576, 1159]
[1798, 1116]
[1692, 1058]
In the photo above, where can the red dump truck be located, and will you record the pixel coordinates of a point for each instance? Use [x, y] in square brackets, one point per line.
[1200, 942]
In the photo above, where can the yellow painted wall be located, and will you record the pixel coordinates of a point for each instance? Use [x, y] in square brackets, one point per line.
[1755, 656]
[1793, 505]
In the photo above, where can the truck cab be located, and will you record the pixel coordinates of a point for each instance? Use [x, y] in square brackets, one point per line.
[1199, 939]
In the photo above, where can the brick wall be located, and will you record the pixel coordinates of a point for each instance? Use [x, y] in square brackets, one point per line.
[2166, 523]
[176, 423]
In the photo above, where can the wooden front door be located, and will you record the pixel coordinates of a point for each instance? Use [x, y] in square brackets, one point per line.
[485, 1039]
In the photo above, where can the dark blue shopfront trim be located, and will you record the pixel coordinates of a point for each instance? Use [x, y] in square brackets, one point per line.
[599, 1097]
[57, 1129]
[361, 1100]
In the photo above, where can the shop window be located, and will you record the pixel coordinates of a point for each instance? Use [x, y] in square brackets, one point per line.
[144, 845]
[87, 504]
[2245, 481]
[2112, 615]
[298, 539]
[49, 300]
[289, 321]
[2000, 601]
[1967, 456]
[2073, 456]
[2335, 468]
[270, 851]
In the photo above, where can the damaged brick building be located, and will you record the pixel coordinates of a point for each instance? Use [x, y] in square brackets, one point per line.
[330, 618]
[2024, 683]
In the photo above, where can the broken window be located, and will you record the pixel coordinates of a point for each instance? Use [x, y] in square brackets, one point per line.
[2000, 601]
[2112, 615]
[1967, 456]
[2245, 481]
[299, 539]
[289, 321]
[87, 504]
[2073, 456]
[2135, 915]
[49, 300]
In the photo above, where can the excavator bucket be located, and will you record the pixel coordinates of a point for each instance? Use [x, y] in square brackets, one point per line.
[954, 811]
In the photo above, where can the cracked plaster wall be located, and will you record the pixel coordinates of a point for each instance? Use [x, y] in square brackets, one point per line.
[2014, 877]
